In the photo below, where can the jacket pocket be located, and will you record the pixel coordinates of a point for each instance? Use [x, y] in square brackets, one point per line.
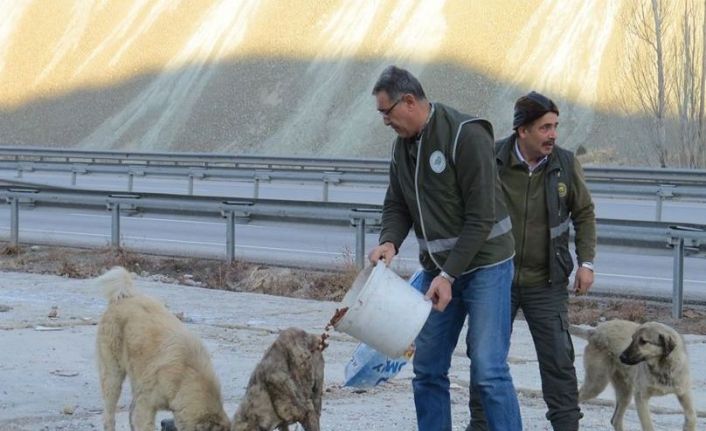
[564, 316]
[563, 259]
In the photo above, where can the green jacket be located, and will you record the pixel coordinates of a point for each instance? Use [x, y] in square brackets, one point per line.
[451, 197]
[541, 205]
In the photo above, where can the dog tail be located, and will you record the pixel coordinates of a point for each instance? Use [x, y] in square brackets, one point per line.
[117, 284]
[581, 331]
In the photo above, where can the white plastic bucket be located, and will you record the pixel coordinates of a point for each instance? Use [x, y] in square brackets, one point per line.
[384, 311]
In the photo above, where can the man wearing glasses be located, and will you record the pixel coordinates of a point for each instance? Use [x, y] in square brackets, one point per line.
[444, 184]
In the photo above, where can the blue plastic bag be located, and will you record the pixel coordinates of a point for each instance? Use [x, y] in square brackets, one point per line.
[368, 367]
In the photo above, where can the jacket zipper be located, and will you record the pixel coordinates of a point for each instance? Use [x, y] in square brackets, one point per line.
[524, 226]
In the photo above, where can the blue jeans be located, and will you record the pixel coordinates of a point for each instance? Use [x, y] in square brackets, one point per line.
[484, 296]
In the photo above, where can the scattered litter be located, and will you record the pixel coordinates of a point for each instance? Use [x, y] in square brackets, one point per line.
[48, 328]
[64, 373]
[54, 312]
[68, 410]
[255, 322]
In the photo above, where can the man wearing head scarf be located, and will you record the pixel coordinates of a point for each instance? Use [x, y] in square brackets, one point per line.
[545, 190]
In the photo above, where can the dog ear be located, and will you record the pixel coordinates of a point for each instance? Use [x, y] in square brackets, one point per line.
[668, 344]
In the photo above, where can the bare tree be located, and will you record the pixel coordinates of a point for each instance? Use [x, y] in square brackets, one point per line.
[647, 86]
[687, 92]
[701, 153]
[666, 80]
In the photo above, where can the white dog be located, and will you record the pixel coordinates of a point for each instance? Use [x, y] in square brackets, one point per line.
[168, 367]
[645, 360]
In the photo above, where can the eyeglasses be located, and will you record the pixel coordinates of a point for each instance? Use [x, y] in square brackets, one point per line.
[386, 112]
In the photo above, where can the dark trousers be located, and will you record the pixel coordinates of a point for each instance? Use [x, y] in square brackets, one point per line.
[545, 310]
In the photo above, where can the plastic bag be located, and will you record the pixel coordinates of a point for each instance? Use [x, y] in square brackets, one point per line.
[368, 367]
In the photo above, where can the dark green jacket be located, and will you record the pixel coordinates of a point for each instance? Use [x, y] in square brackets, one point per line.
[542, 205]
[447, 188]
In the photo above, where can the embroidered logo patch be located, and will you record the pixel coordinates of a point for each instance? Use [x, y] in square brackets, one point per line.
[437, 161]
[561, 188]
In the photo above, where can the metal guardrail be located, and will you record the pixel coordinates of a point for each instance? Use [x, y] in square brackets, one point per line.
[609, 231]
[356, 215]
[37, 154]
[24, 156]
[192, 173]
[658, 184]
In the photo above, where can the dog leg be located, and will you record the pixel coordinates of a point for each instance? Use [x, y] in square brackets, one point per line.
[643, 411]
[595, 378]
[689, 412]
[112, 378]
[141, 416]
[623, 393]
[311, 422]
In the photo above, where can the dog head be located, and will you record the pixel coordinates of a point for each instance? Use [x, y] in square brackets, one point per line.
[303, 353]
[651, 341]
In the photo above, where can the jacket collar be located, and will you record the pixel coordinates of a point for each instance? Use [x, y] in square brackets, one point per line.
[505, 154]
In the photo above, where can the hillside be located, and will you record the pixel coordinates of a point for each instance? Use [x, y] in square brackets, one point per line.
[294, 77]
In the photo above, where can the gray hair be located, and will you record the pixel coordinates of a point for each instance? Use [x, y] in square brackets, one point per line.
[396, 81]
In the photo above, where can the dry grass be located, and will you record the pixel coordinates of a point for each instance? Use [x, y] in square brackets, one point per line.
[208, 273]
[589, 310]
[299, 283]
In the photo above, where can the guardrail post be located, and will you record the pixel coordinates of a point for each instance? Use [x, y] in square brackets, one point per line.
[130, 177]
[193, 175]
[14, 222]
[259, 176]
[73, 178]
[324, 193]
[329, 177]
[230, 236]
[678, 279]
[115, 224]
[665, 191]
[256, 188]
[359, 242]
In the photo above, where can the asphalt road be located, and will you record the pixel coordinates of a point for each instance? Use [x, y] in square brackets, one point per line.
[619, 270]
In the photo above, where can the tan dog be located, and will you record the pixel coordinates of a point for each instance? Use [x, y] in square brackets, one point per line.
[286, 386]
[645, 360]
[168, 367]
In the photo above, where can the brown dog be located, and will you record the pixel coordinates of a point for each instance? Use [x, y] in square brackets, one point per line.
[645, 360]
[286, 386]
[168, 367]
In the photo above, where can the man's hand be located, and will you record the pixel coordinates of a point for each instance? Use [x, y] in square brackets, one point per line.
[385, 251]
[583, 280]
[439, 292]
